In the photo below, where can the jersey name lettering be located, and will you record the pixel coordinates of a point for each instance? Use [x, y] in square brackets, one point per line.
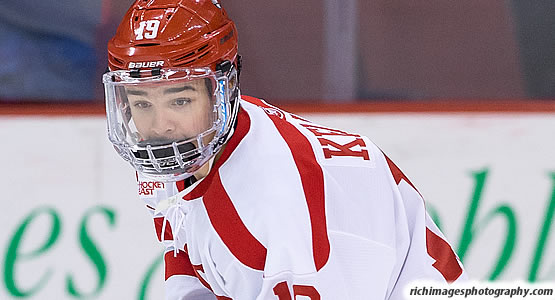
[344, 150]
[332, 148]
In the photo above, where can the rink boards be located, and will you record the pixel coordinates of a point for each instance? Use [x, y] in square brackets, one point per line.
[73, 227]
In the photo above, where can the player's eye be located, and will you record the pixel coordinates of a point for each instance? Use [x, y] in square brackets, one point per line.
[181, 101]
[142, 104]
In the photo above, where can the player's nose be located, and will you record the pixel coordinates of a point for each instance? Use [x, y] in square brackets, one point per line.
[162, 125]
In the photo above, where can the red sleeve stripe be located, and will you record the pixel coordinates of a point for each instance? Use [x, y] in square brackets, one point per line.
[178, 265]
[198, 269]
[254, 101]
[158, 222]
[312, 179]
[231, 229]
[446, 260]
[397, 173]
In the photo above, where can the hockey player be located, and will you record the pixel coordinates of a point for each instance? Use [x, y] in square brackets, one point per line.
[252, 202]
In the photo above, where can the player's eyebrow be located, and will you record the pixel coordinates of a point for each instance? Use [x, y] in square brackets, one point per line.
[136, 92]
[179, 89]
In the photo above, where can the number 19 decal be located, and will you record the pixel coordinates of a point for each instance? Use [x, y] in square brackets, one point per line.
[282, 291]
[147, 30]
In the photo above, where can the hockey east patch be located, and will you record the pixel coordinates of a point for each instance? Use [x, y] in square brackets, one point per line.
[148, 188]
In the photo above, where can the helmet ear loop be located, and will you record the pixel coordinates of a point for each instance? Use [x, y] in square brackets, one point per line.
[234, 79]
[239, 66]
[233, 94]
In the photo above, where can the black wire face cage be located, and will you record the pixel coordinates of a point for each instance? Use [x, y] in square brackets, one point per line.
[181, 159]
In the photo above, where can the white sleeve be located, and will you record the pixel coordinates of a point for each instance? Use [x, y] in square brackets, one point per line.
[422, 251]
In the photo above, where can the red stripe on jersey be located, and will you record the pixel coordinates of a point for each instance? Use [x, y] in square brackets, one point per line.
[178, 265]
[158, 222]
[198, 269]
[231, 229]
[180, 185]
[312, 179]
[255, 101]
[446, 260]
[398, 174]
[243, 127]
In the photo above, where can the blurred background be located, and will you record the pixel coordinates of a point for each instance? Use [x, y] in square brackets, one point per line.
[310, 50]
[458, 93]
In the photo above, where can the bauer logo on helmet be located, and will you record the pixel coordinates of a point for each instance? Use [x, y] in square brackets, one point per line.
[146, 64]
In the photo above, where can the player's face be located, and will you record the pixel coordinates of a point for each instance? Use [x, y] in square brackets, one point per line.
[172, 112]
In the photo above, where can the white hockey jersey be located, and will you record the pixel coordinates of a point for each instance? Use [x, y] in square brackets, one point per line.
[296, 209]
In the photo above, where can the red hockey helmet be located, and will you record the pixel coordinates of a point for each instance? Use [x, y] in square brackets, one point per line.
[172, 86]
[173, 33]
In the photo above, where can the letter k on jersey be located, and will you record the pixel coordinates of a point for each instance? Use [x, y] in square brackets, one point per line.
[336, 148]
[344, 150]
